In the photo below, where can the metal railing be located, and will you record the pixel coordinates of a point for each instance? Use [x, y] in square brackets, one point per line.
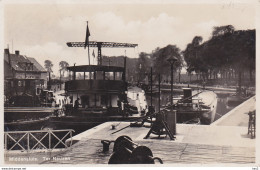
[251, 124]
[35, 140]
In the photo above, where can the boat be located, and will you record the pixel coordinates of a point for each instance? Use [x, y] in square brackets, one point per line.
[96, 94]
[195, 106]
[28, 112]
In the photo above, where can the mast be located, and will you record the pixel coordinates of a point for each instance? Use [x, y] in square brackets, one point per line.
[87, 42]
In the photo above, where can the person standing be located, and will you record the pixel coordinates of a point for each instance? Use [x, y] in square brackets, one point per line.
[76, 105]
[122, 107]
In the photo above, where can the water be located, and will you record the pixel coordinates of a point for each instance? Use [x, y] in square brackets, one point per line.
[222, 108]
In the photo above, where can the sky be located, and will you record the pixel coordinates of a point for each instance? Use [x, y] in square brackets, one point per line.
[41, 30]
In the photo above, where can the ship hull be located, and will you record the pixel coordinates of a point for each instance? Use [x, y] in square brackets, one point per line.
[26, 118]
[204, 114]
[82, 119]
[211, 102]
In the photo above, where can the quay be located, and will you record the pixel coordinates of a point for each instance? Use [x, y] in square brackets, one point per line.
[225, 142]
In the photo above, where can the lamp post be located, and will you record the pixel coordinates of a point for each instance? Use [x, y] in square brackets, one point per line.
[60, 78]
[172, 60]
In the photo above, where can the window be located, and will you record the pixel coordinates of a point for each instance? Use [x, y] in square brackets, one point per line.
[79, 75]
[104, 99]
[109, 76]
[118, 76]
[99, 75]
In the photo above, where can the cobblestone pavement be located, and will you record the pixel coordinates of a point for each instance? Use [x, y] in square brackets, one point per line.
[90, 152]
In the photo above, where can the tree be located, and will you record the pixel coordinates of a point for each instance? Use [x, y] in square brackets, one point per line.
[63, 66]
[48, 65]
[160, 56]
[192, 56]
[227, 51]
[143, 65]
[221, 30]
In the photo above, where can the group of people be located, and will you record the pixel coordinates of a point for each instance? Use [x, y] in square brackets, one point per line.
[62, 109]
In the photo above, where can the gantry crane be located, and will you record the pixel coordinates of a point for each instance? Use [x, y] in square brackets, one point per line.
[99, 45]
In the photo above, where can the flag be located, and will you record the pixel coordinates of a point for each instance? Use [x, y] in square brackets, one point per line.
[87, 38]
[93, 54]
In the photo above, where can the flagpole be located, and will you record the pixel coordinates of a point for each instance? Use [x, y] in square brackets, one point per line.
[88, 48]
[93, 56]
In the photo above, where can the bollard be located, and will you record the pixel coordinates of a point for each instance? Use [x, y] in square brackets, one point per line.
[126, 151]
[171, 121]
[106, 144]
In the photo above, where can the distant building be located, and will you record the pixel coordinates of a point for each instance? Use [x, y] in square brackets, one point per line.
[22, 75]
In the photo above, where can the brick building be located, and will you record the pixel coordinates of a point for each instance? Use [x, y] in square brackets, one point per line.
[22, 75]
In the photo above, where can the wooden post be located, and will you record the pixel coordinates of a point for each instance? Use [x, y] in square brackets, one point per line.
[124, 73]
[6, 140]
[60, 79]
[173, 113]
[49, 139]
[28, 141]
[95, 99]
[110, 100]
[159, 101]
[151, 86]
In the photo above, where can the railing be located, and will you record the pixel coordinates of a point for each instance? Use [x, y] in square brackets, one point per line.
[37, 140]
[251, 124]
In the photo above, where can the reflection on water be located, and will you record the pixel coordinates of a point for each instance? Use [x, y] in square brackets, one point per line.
[222, 108]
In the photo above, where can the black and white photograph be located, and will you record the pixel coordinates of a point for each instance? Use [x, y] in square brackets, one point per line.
[91, 83]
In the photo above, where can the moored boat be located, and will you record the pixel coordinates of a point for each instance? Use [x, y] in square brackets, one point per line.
[195, 108]
[25, 112]
[96, 94]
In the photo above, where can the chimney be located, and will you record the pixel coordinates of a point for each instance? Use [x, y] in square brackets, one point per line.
[8, 55]
[17, 52]
[6, 51]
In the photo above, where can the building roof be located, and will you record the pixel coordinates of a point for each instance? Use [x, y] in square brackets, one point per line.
[90, 68]
[36, 64]
[17, 62]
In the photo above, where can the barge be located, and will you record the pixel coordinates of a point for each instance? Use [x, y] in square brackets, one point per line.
[195, 108]
[96, 94]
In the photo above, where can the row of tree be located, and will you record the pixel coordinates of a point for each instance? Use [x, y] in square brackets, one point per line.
[227, 53]
[62, 64]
